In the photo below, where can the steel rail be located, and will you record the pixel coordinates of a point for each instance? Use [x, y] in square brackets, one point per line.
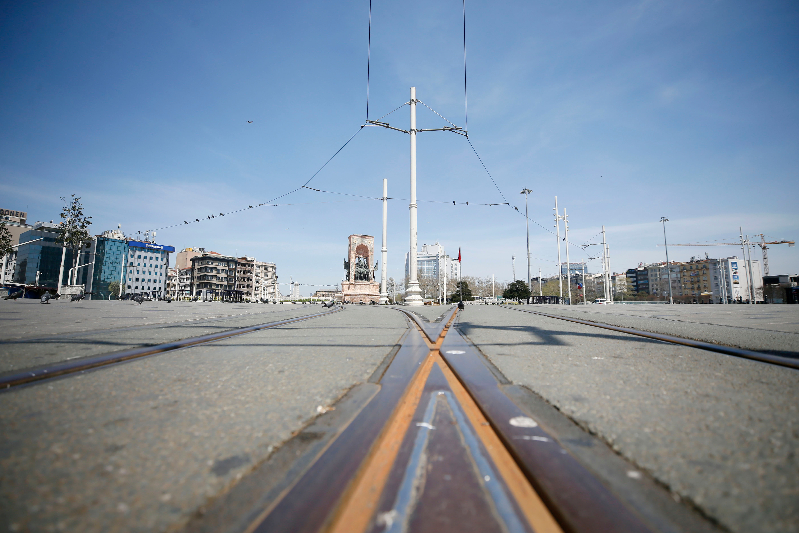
[727, 350]
[349, 482]
[70, 367]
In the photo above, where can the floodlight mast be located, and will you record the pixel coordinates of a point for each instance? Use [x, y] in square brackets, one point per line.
[526, 192]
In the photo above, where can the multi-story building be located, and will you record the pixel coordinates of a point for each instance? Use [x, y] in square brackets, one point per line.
[178, 282]
[214, 277]
[39, 257]
[659, 279]
[244, 276]
[172, 282]
[433, 263]
[257, 280]
[146, 268]
[184, 282]
[265, 287]
[101, 264]
[575, 270]
[183, 257]
[619, 282]
[15, 222]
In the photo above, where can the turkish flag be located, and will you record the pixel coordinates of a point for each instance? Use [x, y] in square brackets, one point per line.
[459, 255]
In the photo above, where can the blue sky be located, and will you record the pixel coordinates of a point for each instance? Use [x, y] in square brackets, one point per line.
[627, 111]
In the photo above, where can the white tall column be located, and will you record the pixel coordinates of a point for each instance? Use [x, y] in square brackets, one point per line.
[604, 264]
[557, 225]
[413, 292]
[568, 266]
[384, 251]
[61, 270]
[540, 288]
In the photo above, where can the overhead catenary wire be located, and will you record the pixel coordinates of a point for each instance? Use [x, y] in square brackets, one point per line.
[268, 202]
[454, 128]
[369, 60]
[465, 98]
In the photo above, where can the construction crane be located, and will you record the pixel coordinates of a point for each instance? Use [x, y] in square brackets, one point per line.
[762, 245]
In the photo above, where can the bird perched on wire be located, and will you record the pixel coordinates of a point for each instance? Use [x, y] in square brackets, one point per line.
[249, 122]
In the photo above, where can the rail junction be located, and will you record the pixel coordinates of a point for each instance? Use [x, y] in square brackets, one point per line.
[488, 419]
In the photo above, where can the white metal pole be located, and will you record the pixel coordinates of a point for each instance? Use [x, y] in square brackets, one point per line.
[743, 258]
[122, 272]
[526, 192]
[383, 250]
[568, 267]
[513, 260]
[61, 270]
[445, 278]
[604, 265]
[610, 275]
[585, 287]
[749, 264]
[668, 267]
[540, 289]
[557, 225]
[493, 294]
[413, 293]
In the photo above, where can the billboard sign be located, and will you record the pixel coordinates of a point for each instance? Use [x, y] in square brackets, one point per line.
[151, 246]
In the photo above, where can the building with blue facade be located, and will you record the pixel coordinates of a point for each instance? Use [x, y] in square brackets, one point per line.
[103, 264]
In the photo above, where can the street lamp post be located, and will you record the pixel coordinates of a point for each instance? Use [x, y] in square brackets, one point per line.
[668, 265]
[526, 192]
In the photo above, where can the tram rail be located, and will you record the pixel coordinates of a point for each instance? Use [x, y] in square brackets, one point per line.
[64, 368]
[441, 410]
[702, 345]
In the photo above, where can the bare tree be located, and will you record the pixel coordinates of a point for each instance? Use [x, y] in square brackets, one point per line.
[428, 284]
[73, 231]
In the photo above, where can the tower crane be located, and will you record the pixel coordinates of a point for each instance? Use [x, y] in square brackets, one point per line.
[762, 245]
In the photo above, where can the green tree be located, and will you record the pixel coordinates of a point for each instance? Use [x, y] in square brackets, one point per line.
[462, 288]
[113, 289]
[518, 290]
[5, 240]
[73, 232]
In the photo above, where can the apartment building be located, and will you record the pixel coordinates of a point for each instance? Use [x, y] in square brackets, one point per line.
[214, 277]
[265, 286]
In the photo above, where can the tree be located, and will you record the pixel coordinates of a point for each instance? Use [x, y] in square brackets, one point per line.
[462, 288]
[113, 288]
[428, 285]
[73, 232]
[5, 240]
[518, 290]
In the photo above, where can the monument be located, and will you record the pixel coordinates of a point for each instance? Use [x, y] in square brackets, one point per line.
[360, 285]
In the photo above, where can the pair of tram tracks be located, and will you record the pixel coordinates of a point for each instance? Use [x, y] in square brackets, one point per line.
[440, 447]
[64, 368]
[436, 446]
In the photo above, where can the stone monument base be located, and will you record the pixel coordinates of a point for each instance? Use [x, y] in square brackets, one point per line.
[361, 291]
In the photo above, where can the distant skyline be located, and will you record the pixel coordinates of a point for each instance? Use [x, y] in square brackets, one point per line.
[627, 111]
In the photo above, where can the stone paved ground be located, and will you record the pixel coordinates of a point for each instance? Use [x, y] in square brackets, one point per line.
[720, 431]
[142, 445]
[33, 334]
[772, 328]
